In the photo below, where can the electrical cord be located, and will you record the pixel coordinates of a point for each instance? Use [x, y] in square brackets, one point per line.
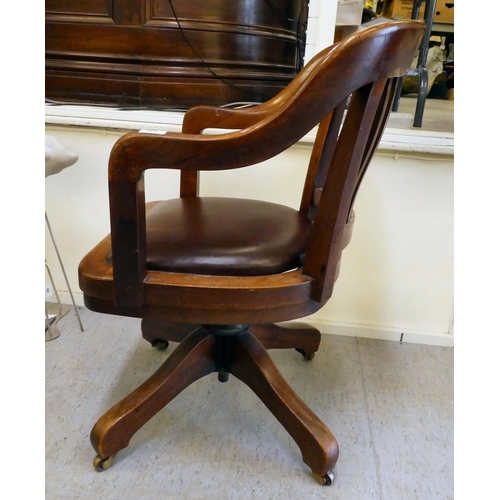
[131, 107]
[271, 3]
[150, 107]
[299, 34]
[205, 64]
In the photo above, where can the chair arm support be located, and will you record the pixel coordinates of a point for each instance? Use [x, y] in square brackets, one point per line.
[136, 152]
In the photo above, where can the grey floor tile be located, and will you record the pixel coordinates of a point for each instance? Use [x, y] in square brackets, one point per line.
[389, 406]
[414, 457]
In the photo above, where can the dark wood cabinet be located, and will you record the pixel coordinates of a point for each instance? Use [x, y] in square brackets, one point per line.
[172, 52]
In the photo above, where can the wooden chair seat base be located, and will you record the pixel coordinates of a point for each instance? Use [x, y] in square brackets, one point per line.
[201, 352]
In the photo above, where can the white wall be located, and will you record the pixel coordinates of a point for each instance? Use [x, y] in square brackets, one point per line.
[396, 275]
[320, 26]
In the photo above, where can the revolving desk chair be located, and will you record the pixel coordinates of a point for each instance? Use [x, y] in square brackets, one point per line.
[216, 274]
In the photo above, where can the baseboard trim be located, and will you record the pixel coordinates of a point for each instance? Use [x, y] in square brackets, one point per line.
[65, 298]
[381, 333]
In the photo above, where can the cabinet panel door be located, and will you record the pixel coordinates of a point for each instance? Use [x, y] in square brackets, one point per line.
[144, 52]
[79, 11]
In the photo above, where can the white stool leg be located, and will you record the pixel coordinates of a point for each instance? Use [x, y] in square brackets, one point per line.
[64, 273]
[47, 267]
[51, 331]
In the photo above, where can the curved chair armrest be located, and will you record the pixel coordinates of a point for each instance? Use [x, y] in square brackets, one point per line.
[137, 152]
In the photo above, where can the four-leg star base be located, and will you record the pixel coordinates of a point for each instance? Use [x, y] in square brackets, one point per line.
[240, 353]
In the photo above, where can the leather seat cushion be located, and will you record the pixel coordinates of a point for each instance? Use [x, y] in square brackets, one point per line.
[225, 237]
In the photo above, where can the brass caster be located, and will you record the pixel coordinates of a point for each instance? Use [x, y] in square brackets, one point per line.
[160, 344]
[325, 480]
[101, 464]
[307, 357]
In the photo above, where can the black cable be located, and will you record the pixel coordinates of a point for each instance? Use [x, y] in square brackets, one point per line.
[299, 59]
[205, 63]
[300, 41]
[272, 4]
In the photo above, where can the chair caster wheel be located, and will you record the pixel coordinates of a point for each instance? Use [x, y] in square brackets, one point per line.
[325, 480]
[307, 357]
[101, 464]
[160, 344]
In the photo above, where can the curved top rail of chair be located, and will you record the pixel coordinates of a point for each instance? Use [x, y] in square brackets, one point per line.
[136, 152]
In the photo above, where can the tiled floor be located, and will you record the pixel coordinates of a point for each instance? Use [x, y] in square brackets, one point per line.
[390, 406]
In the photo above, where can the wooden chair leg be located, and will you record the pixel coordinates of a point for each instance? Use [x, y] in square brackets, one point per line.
[252, 365]
[192, 360]
[299, 336]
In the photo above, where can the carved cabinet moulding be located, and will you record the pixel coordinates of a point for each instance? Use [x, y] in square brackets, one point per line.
[216, 51]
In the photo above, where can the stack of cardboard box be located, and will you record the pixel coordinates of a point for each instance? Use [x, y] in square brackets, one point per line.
[402, 8]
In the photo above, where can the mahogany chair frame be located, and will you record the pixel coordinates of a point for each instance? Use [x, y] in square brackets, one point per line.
[225, 324]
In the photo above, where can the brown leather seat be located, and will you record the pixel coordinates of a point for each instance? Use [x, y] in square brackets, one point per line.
[217, 274]
[225, 237]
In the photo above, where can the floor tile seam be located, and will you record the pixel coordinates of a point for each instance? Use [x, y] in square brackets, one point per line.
[369, 419]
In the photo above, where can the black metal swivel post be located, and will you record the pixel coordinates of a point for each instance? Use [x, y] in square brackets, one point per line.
[421, 70]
